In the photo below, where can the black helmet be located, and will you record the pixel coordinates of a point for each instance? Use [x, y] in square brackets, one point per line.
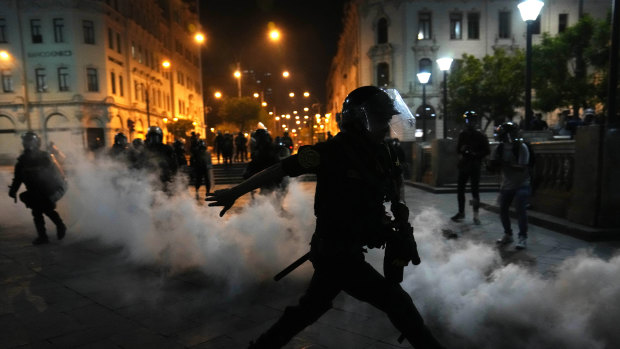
[368, 107]
[261, 136]
[137, 143]
[471, 118]
[507, 132]
[202, 146]
[154, 136]
[120, 139]
[31, 141]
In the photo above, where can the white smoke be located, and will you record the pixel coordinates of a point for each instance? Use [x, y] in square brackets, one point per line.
[464, 290]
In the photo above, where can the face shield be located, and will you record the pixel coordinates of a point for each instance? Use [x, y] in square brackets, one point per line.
[402, 124]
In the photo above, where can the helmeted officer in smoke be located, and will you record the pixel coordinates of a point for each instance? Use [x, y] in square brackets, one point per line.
[202, 167]
[472, 147]
[356, 173]
[159, 157]
[45, 184]
[119, 148]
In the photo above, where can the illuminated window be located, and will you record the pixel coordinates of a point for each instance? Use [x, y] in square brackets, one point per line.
[424, 26]
[456, 26]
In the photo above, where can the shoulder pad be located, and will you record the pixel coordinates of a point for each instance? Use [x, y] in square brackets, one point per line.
[308, 157]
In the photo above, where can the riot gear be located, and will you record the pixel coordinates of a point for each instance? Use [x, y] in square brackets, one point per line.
[120, 139]
[471, 118]
[154, 136]
[31, 141]
[507, 132]
[137, 143]
[368, 107]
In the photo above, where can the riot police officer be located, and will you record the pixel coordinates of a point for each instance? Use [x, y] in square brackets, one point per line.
[356, 173]
[159, 157]
[472, 148]
[119, 148]
[44, 182]
[202, 167]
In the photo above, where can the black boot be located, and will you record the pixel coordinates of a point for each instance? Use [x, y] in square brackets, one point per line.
[61, 228]
[41, 240]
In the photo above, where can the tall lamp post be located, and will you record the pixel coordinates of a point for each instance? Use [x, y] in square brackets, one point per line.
[423, 78]
[529, 12]
[444, 66]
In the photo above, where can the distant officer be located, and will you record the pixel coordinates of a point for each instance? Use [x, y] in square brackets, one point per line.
[356, 173]
[135, 154]
[119, 148]
[159, 157]
[512, 157]
[45, 185]
[472, 148]
[202, 167]
[241, 142]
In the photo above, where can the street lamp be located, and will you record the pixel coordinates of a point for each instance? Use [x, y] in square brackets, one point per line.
[444, 66]
[529, 12]
[237, 75]
[423, 78]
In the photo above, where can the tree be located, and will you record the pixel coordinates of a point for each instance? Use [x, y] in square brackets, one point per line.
[180, 128]
[491, 86]
[244, 111]
[560, 75]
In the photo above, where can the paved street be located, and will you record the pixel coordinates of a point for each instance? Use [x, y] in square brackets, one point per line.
[84, 292]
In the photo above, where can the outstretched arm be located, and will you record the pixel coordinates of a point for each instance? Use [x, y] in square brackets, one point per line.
[226, 197]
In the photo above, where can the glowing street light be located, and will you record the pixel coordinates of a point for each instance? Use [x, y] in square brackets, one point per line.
[285, 74]
[529, 12]
[166, 64]
[199, 38]
[444, 66]
[217, 94]
[4, 55]
[256, 95]
[423, 78]
[291, 94]
[274, 35]
[306, 94]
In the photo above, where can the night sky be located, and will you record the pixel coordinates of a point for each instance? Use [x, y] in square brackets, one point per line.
[237, 32]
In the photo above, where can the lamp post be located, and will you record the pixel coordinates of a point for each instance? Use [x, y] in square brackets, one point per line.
[444, 66]
[423, 78]
[529, 12]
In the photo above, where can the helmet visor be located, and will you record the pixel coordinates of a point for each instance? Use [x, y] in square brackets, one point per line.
[402, 125]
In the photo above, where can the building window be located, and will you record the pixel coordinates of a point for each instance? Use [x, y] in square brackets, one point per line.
[59, 28]
[562, 22]
[424, 26]
[118, 43]
[89, 32]
[63, 79]
[383, 74]
[35, 31]
[7, 81]
[504, 25]
[180, 78]
[110, 39]
[3, 36]
[41, 82]
[120, 86]
[473, 25]
[536, 26]
[133, 50]
[426, 66]
[113, 82]
[92, 80]
[382, 31]
[456, 26]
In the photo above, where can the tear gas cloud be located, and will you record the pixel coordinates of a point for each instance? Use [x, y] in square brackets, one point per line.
[462, 288]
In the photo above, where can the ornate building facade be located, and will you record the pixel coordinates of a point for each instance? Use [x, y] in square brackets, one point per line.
[387, 42]
[79, 71]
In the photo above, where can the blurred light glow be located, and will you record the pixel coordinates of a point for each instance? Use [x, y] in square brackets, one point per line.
[444, 63]
[530, 9]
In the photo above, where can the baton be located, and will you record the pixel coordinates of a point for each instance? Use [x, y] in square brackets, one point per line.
[292, 267]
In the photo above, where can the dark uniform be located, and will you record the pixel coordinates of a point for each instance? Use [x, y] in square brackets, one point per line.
[355, 177]
[159, 157]
[200, 163]
[36, 169]
[264, 155]
[472, 147]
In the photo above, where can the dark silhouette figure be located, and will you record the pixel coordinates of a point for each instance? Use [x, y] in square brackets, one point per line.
[119, 148]
[227, 148]
[135, 154]
[45, 185]
[356, 173]
[472, 147]
[218, 144]
[538, 124]
[202, 168]
[241, 154]
[287, 142]
[159, 157]
[265, 155]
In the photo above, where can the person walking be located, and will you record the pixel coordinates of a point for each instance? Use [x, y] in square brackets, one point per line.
[512, 157]
[356, 173]
[472, 147]
[45, 184]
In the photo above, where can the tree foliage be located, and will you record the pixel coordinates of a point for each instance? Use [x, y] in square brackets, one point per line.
[244, 111]
[492, 86]
[180, 128]
[560, 62]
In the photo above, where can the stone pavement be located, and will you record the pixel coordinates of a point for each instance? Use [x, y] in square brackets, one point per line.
[82, 294]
